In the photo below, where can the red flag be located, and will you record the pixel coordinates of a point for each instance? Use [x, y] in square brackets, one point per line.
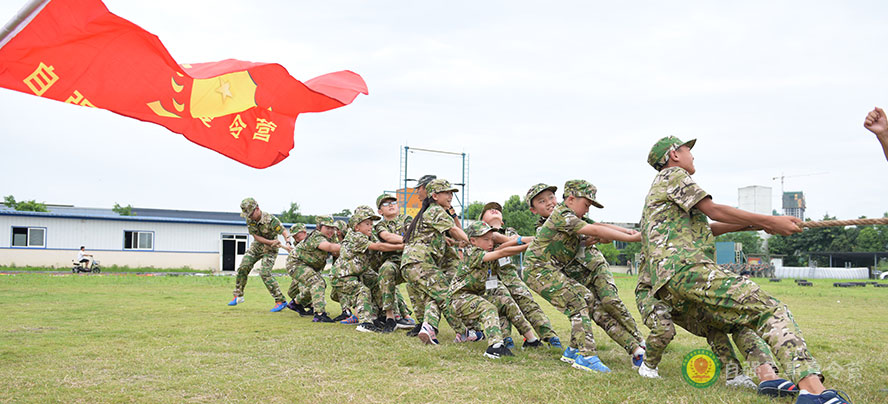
[80, 53]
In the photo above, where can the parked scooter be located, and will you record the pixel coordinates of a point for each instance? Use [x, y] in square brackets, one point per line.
[93, 267]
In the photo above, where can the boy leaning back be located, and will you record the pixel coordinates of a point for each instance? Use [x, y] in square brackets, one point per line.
[675, 237]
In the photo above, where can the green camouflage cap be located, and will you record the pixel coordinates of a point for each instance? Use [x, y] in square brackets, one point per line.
[440, 185]
[659, 154]
[425, 180]
[536, 190]
[489, 206]
[581, 189]
[478, 229]
[324, 220]
[341, 225]
[248, 205]
[296, 228]
[361, 214]
[382, 198]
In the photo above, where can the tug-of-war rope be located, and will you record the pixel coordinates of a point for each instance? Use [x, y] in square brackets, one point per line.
[836, 223]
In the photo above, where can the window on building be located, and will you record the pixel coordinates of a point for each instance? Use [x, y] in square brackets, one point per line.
[28, 237]
[138, 240]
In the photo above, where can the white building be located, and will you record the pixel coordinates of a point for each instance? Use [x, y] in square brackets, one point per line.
[755, 198]
[152, 238]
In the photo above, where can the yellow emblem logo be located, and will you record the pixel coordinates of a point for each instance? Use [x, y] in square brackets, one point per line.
[700, 368]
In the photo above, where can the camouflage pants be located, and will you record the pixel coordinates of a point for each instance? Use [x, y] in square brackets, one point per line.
[734, 302]
[310, 280]
[606, 307]
[508, 276]
[473, 308]
[432, 284]
[569, 297]
[510, 313]
[254, 254]
[359, 298]
[389, 279]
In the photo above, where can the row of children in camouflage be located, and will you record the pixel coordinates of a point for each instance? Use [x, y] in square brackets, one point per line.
[478, 288]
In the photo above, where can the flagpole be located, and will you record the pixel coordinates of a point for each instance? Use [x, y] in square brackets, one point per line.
[20, 20]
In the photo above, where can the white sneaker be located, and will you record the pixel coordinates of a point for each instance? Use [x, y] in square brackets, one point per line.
[742, 381]
[428, 335]
[647, 372]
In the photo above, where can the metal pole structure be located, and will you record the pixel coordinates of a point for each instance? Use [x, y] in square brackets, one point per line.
[406, 154]
[20, 20]
[462, 201]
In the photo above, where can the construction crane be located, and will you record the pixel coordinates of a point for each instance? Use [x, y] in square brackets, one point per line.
[782, 176]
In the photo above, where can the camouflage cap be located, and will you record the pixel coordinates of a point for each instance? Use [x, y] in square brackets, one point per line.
[425, 180]
[382, 198]
[581, 189]
[297, 227]
[659, 154]
[361, 214]
[324, 220]
[440, 185]
[478, 229]
[489, 206]
[536, 190]
[248, 205]
[340, 225]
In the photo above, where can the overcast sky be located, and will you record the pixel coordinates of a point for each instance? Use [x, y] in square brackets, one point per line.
[531, 91]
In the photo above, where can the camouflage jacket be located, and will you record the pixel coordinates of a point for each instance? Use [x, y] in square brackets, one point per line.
[427, 243]
[557, 240]
[674, 234]
[308, 253]
[398, 226]
[472, 273]
[268, 227]
[354, 255]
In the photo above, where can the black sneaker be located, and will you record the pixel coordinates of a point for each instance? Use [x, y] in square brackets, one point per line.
[778, 388]
[292, 305]
[405, 323]
[307, 311]
[321, 318]
[415, 331]
[390, 325]
[496, 353]
[380, 322]
[535, 344]
[344, 315]
[368, 327]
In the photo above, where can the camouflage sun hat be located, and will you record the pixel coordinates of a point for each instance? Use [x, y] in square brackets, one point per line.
[324, 220]
[581, 189]
[425, 180]
[361, 214]
[440, 185]
[296, 228]
[478, 229]
[248, 205]
[536, 190]
[659, 154]
[382, 198]
[489, 206]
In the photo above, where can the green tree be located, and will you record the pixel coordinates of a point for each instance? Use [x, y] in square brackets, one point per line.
[123, 210]
[473, 210]
[752, 243]
[344, 212]
[24, 206]
[609, 251]
[292, 215]
[517, 215]
[869, 239]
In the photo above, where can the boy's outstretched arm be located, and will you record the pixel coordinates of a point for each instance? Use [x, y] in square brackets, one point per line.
[605, 233]
[783, 225]
[504, 252]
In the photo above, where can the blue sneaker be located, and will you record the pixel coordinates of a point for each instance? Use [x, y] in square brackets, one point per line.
[591, 363]
[827, 396]
[278, 307]
[235, 301]
[569, 355]
[778, 388]
[351, 320]
[637, 358]
[479, 335]
[508, 343]
[554, 342]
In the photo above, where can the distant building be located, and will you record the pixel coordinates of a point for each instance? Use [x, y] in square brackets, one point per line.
[157, 238]
[408, 201]
[755, 198]
[794, 204]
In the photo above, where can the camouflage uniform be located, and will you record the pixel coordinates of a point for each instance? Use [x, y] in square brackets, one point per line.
[306, 261]
[426, 258]
[352, 270]
[268, 227]
[468, 286]
[676, 240]
[295, 291]
[390, 268]
[518, 290]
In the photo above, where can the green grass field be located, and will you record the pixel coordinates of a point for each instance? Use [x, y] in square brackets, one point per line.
[87, 338]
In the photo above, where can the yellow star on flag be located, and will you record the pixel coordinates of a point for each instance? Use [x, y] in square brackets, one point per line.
[224, 89]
